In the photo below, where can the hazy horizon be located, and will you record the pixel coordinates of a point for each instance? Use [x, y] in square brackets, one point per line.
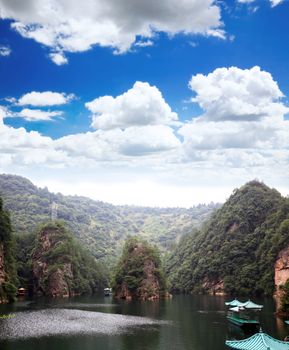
[102, 194]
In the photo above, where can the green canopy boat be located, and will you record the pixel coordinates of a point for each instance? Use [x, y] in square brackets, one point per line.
[252, 306]
[243, 319]
[241, 313]
[259, 341]
[233, 303]
[247, 304]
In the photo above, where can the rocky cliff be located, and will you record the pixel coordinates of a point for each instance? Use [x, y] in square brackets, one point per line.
[214, 287]
[51, 277]
[139, 274]
[281, 275]
[2, 273]
[61, 268]
[7, 263]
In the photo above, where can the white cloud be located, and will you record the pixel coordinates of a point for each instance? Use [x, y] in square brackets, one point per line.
[64, 26]
[58, 58]
[217, 33]
[243, 124]
[37, 114]
[273, 2]
[152, 163]
[238, 94]
[209, 135]
[5, 50]
[3, 114]
[246, 1]
[144, 43]
[45, 98]
[117, 144]
[139, 106]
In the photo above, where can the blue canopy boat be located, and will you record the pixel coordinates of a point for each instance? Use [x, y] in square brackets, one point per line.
[234, 303]
[259, 341]
[240, 315]
[251, 306]
[247, 304]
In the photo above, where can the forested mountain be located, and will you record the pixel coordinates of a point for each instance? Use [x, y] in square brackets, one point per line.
[139, 273]
[7, 262]
[237, 248]
[60, 266]
[100, 226]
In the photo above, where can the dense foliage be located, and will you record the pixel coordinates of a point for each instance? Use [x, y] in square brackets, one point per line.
[7, 287]
[24, 245]
[131, 266]
[101, 227]
[87, 275]
[237, 247]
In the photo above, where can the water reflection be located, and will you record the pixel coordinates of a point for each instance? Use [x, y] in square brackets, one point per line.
[191, 323]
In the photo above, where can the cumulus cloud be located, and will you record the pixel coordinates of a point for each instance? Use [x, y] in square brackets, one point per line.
[246, 1]
[243, 115]
[209, 135]
[273, 2]
[135, 136]
[64, 26]
[45, 98]
[144, 43]
[142, 105]
[37, 114]
[17, 146]
[238, 94]
[5, 50]
[58, 58]
[117, 144]
[3, 113]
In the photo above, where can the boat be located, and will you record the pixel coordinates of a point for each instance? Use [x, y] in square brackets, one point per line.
[107, 292]
[234, 303]
[247, 304]
[258, 341]
[238, 316]
[241, 313]
[21, 292]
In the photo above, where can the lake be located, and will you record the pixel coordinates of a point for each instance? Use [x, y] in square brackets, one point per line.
[100, 323]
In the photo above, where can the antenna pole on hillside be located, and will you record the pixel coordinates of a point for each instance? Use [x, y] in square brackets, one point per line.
[54, 207]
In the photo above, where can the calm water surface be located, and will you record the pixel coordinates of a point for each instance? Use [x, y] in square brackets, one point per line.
[100, 323]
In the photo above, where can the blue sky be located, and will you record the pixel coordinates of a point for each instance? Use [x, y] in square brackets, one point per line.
[160, 147]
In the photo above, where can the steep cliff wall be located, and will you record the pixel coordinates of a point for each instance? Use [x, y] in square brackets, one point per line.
[281, 274]
[139, 273]
[2, 272]
[7, 263]
[52, 277]
[61, 267]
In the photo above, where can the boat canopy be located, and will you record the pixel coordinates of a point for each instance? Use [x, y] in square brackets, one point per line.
[250, 305]
[259, 341]
[234, 303]
[235, 309]
[247, 305]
